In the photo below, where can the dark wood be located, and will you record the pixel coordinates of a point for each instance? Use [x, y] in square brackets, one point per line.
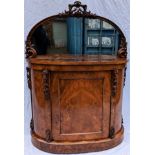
[76, 99]
[30, 51]
[122, 52]
[77, 10]
[125, 74]
[46, 88]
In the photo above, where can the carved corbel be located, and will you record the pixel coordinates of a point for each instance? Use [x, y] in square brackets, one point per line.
[46, 84]
[30, 51]
[122, 51]
[114, 79]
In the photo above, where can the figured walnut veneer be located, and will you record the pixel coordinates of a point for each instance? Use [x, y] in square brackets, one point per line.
[76, 105]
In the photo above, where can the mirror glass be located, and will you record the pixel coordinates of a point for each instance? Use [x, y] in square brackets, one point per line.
[74, 35]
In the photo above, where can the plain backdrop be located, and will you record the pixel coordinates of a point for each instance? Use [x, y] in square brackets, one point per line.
[119, 13]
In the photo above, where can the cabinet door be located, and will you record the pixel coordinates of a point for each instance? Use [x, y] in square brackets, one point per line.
[80, 105]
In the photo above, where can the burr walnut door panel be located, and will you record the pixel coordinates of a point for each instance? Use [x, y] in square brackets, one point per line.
[80, 105]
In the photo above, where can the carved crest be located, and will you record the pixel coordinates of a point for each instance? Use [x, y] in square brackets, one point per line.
[77, 9]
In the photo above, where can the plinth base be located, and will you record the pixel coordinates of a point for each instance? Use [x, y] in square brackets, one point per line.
[78, 147]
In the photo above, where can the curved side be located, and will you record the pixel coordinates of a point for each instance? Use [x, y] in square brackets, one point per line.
[78, 147]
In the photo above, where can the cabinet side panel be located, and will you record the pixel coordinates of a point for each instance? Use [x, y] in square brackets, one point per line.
[41, 123]
[118, 102]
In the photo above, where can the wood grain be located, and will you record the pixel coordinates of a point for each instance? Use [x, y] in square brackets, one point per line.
[81, 106]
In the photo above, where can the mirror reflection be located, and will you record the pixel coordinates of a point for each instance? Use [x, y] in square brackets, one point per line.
[74, 35]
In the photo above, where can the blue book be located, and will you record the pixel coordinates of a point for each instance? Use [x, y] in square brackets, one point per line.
[74, 35]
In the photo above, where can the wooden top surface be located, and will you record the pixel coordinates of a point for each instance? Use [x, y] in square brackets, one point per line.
[66, 59]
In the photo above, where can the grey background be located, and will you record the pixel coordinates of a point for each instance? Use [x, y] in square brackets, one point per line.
[116, 10]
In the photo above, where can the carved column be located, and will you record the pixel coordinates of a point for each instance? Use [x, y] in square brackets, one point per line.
[114, 83]
[114, 79]
[30, 87]
[125, 74]
[46, 91]
[46, 84]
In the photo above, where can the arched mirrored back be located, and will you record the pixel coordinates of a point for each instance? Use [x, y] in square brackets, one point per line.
[77, 33]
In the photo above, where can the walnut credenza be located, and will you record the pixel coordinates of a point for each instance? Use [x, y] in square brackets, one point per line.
[76, 102]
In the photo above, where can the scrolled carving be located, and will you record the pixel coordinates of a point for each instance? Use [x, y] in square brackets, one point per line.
[46, 84]
[28, 77]
[77, 9]
[114, 78]
[122, 52]
[48, 136]
[30, 51]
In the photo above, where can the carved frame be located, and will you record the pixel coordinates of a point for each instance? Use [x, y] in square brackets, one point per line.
[76, 10]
